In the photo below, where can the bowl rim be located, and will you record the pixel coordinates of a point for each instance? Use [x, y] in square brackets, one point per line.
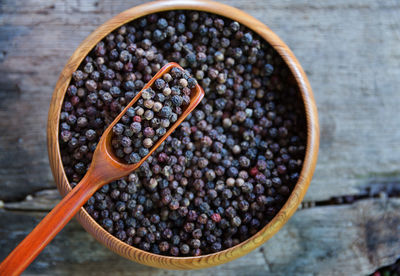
[309, 163]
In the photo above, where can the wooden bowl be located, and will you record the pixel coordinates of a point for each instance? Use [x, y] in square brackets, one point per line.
[283, 215]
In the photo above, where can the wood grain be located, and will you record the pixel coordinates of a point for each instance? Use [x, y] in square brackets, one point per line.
[349, 50]
[294, 199]
[355, 240]
[352, 64]
[26, 251]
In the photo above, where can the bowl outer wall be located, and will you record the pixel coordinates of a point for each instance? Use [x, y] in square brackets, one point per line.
[267, 231]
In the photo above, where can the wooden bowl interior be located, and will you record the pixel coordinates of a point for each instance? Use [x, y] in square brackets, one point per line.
[294, 199]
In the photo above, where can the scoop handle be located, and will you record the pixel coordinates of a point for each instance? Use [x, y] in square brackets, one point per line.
[17, 261]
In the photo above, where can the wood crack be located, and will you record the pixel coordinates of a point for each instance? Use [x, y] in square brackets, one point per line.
[382, 190]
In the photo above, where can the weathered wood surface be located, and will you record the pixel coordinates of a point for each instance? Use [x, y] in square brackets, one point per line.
[348, 48]
[350, 51]
[330, 240]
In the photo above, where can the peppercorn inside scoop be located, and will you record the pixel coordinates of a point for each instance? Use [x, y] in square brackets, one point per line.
[158, 107]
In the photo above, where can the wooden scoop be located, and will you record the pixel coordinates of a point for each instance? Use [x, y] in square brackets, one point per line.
[105, 167]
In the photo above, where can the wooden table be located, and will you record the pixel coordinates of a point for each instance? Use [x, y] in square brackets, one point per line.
[350, 50]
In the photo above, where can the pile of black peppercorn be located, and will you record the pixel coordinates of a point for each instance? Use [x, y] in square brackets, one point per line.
[158, 107]
[227, 170]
